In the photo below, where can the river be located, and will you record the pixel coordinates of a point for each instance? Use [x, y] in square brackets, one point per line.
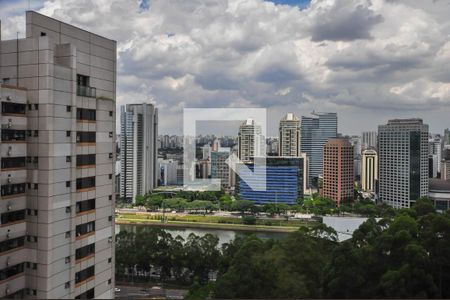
[224, 236]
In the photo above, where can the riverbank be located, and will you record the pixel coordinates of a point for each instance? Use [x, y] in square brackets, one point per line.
[129, 219]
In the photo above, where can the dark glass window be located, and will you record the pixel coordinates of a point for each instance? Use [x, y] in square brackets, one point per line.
[13, 162]
[13, 108]
[12, 244]
[84, 274]
[83, 88]
[85, 228]
[13, 189]
[85, 205]
[86, 136]
[86, 182]
[85, 251]
[12, 135]
[85, 159]
[86, 295]
[86, 114]
[11, 271]
[12, 216]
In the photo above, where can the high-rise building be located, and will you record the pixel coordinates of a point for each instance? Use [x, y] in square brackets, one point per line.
[445, 164]
[435, 153]
[446, 138]
[168, 171]
[315, 131]
[284, 180]
[369, 172]
[250, 141]
[58, 156]
[403, 162]
[219, 167]
[289, 136]
[368, 140]
[338, 176]
[139, 132]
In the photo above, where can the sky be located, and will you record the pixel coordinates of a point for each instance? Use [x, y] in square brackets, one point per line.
[367, 60]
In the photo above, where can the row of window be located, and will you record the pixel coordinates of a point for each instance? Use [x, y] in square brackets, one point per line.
[85, 251]
[13, 108]
[85, 159]
[84, 274]
[13, 162]
[85, 205]
[11, 271]
[86, 114]
[13, 189]
[12, 216]
[85, 182]
[85, 228]
[7, 245]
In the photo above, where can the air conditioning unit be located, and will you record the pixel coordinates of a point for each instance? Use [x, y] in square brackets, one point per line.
[8, 98]
[9, 206]
[9, 151]
[110, 240]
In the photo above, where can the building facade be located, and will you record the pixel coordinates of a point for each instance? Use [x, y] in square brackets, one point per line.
[439, 193]
[139, 134]
[219, 167]
[250, 141]
[338, 173]
[285, 180]
[403, 162]
[369, 139]
[445, 164]
[315, 131]
[369, 170]
[57, 162]
[289, 136]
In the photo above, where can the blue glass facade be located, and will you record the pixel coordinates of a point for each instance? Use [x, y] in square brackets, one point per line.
[284, 181]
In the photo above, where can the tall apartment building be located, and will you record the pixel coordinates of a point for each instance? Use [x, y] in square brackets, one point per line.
[250, 141]
[435, 154]
[445, 165]
[57, 162]
[219, 167]
[139, 134]
[403, 162]
[446, 138]
[338, 176]
[369, 140]
[369, 170]
[289, 136]
[315, 131]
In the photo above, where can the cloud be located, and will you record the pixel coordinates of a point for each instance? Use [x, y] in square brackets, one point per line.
[352, 57]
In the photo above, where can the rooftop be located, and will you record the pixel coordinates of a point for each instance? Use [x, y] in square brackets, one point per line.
[439, 185]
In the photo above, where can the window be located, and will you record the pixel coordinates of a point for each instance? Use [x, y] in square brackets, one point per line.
[110, 197]
[86, 295]
[36, 133]
[110, 134]
[86, 136]
[43, 33]
[35, 186]
[110, 176]
[84, 274]
[86, 182]
[67, 285]
[11, 271]
[68, 133]
[85, 228]
[68, 108]
[12, 216]
[12, 135]
[36, 106]
[85, 160]
[110, 113]
[110, 155]
[68, 158]
[85, 251]
[13, 162]
[109, 260]
[85, 205]
[110, 218]
[86, 114]
[67, 259]
[12, 244]
[68, 209]
[109, 281]
[68, 183]
[83, 88]
[13, 108]
[68, 234]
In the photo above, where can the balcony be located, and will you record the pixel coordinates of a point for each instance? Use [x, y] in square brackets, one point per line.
[84, 114]
[12, 217]
[86, 91]
[85, 160]
[13, 189]
[85, 183]
[86, 137]
[14, 109]
[13, 135]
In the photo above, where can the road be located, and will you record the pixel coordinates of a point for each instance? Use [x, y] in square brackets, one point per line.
[151, 292]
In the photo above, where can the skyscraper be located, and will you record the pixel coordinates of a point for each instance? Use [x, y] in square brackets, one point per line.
[139, 133]
[289, 136]
[445, 164]
[315, 131]
[338, 176]
[368, 140]
[249, 141]
[57, 162]
[369, 170]
[403, 161]
[435, 153]
[219, 167]
[446, 138]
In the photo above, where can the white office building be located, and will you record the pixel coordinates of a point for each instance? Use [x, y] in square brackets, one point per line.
[250, 141]
[289, 136]
[403, 162]
[369, 170]
[139, 152]
[57, 156]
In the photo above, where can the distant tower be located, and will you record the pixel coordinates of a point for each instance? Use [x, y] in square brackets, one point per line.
[249, 141]
[338, 176]
[403, 162]
[139, 132]
[368, 140]
[315, 131]
[289, 136]
[369, 173]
